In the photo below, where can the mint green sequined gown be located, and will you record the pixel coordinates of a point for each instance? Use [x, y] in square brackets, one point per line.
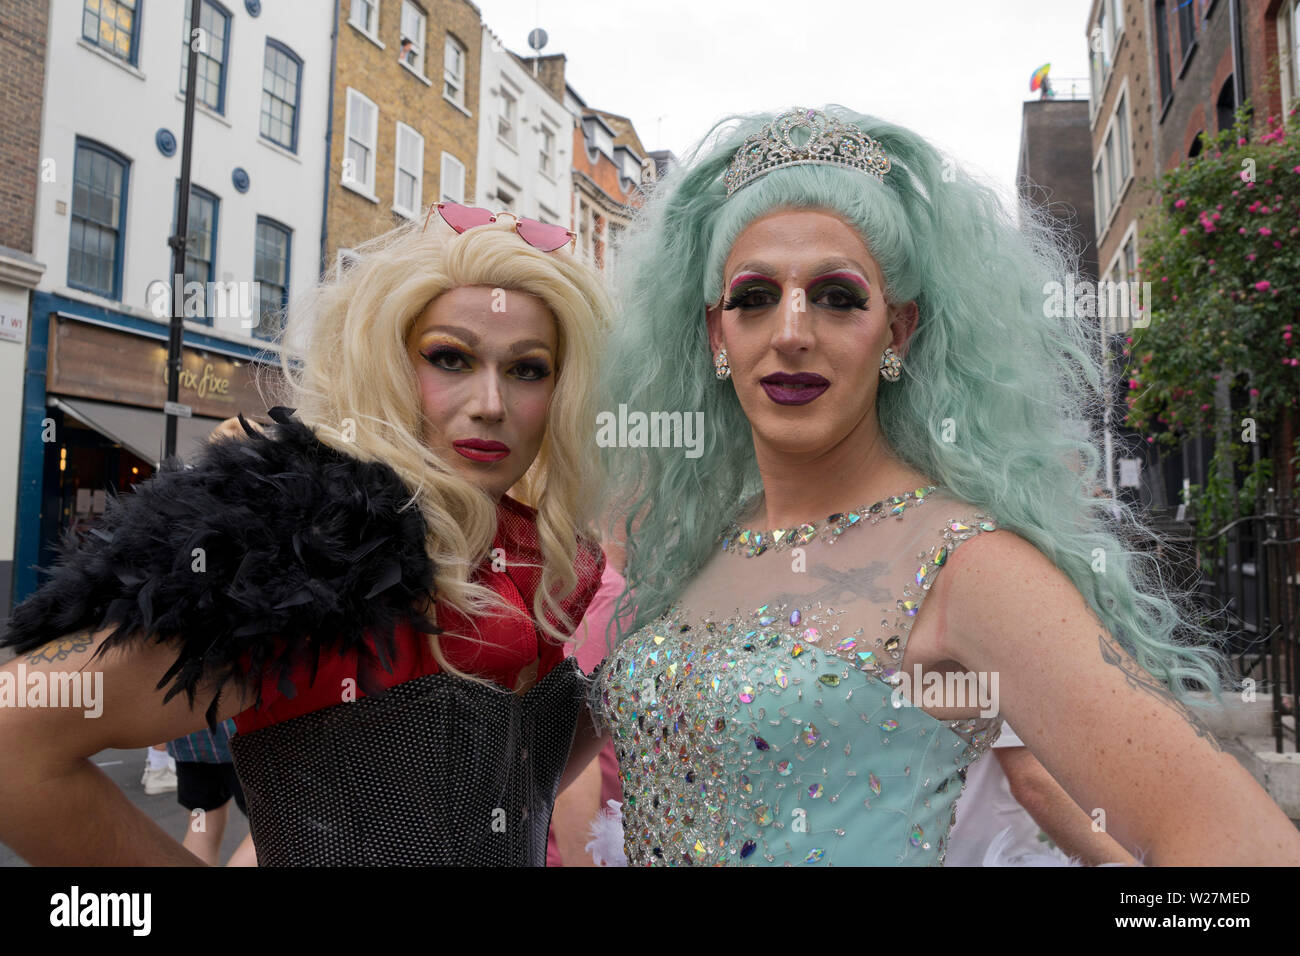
[755, 723]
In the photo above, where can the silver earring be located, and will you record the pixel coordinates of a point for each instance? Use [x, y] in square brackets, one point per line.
[720, 367]
[891, 366]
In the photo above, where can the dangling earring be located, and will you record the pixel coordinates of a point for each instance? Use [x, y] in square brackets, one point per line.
[720, 366]
[891, 366]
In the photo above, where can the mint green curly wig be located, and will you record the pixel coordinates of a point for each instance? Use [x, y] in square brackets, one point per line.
[1015, 386]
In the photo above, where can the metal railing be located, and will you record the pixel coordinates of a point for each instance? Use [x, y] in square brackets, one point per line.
[1067, 88]
[1247, 577]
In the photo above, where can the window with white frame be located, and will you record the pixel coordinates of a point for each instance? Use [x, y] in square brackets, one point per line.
[1112, 184]
[546, 156]
[362, 140]
[413, 29]
[547, 216]
[1130, 257]
[453, 71]
[365, 16]
[1122, 131]
[1100, 205]
[408, 179]
[509, 112]
[1288, 29]
[452, 179]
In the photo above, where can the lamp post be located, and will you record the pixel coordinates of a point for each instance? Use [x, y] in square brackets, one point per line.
[173, 408]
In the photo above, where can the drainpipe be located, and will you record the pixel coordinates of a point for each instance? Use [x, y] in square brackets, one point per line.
[329, 139]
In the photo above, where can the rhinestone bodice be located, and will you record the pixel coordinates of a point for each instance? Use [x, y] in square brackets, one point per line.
[774, 735]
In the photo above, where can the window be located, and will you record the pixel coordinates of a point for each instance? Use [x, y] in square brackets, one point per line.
[359, 152]
[1122, 144]
[99, 181]
[506, 122]
[1186, 25]
[201, 240]
[454, 72]
[452, 179]
[271, 272]
[1293, 35]
[413, 29]
[281, 76]
[365, 16]
[546, 160]
[1130, 258]
[1162, 51]
[507, 194]
[1112, 180]
[408, 184]
[1100, 205]
[111, 25]
[547, 216]
[214, 24]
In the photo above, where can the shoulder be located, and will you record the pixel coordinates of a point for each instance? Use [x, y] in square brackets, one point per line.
[1002, 589]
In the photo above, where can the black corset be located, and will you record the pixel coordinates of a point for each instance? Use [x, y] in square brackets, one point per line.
[435, 771]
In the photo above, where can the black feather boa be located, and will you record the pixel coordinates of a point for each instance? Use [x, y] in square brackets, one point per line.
[304, 550]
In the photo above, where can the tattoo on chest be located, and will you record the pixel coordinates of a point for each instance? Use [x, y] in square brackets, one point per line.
[841, 585]
[1137, 678]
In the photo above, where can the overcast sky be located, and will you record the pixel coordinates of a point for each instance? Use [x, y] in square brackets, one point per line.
[956, 72]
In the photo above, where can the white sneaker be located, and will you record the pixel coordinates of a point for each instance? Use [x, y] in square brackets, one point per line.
[160, 780]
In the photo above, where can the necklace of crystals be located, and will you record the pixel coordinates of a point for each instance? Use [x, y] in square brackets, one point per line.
[753, 543]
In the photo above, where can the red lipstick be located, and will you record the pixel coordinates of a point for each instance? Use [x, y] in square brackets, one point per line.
[480, 449]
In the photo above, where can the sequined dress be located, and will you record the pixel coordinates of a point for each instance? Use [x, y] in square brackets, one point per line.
[757, 722]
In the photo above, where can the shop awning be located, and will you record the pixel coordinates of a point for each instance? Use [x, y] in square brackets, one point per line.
[139, 430]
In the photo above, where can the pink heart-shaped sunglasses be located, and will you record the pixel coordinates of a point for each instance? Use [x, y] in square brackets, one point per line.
[539, 235]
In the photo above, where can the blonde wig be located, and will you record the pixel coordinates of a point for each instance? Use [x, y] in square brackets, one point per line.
[348, 373]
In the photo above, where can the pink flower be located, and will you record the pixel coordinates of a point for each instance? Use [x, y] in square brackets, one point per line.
[1286, 336]
[1265, 231]
[1264, 209]
[1219, 207]
[1242, 230]
[1182, 231]
[1295, 362]
[1250, 257]
[1164, 278]
[1254, 393]
[1262, 285]
[1287, 328]
[1129, 340]
[1215, 217]
[1132, 383]
[1205, 408]
[1150, 440]
[1277, 244]
[1241, 141]
[1180, 204]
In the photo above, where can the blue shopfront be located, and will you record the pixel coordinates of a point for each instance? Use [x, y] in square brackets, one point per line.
[93, 424]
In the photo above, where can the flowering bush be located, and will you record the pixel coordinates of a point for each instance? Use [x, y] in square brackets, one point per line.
[1221, 253]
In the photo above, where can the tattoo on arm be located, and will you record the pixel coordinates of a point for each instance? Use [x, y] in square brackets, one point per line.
[1138, 679]
[61, 649]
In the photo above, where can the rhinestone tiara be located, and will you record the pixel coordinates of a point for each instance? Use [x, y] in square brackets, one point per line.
[829, 142]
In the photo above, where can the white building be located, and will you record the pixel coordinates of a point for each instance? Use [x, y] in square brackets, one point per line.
[113, 118]
[523, 141]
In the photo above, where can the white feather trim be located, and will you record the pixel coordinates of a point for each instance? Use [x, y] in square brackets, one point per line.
[606, 846]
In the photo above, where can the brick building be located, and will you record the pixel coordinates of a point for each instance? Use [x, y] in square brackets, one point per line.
[404, 115]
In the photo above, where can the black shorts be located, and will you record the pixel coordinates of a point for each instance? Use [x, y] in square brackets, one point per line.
[207, 786]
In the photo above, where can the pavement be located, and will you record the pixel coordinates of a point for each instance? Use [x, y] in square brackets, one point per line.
[125, 768]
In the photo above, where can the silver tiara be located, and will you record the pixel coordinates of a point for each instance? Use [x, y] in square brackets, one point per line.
[829, 142]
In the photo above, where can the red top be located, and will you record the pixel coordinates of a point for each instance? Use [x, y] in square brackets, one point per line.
[496, 647]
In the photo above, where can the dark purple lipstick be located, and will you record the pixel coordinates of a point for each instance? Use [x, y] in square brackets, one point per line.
[793, 388]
